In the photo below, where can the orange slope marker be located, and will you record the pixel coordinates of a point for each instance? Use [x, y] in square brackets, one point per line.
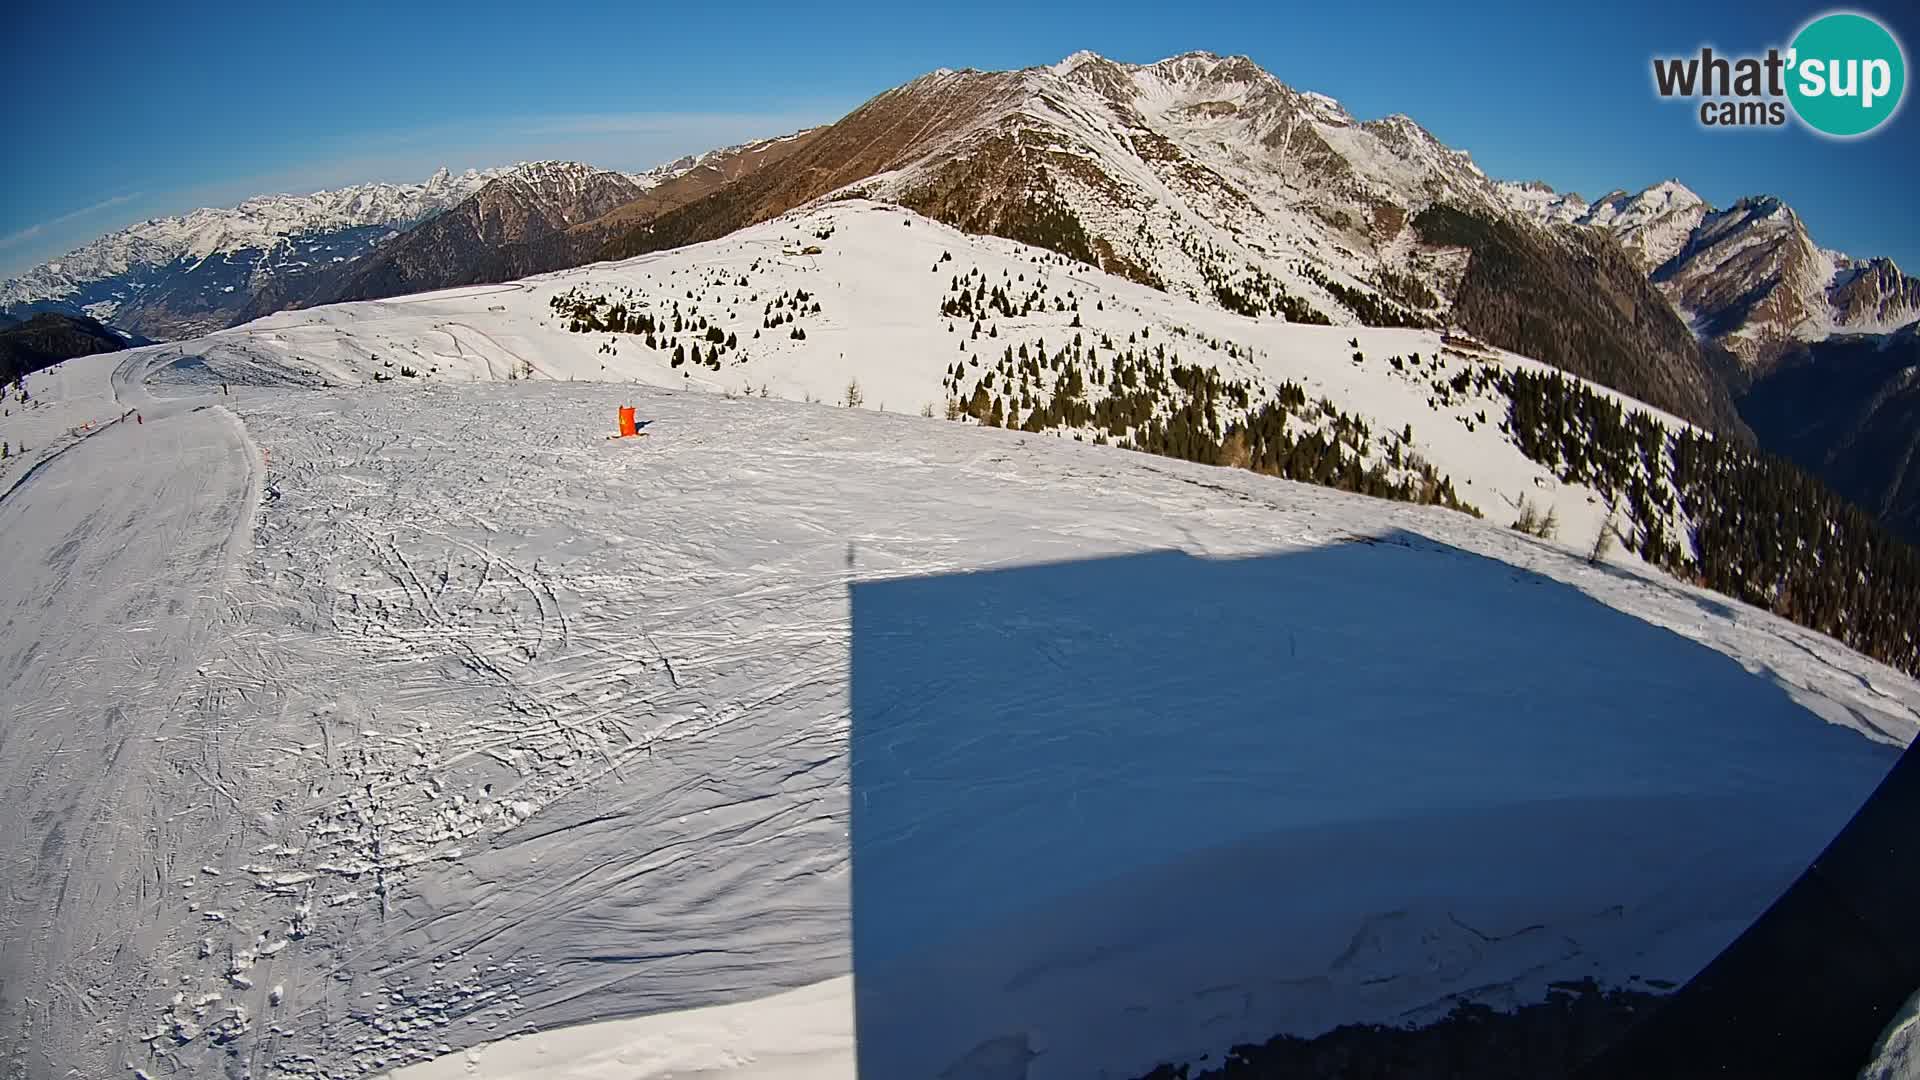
[629, 429]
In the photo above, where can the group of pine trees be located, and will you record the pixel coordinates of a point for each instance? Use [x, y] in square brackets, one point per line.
[1405, 289]
[1250, 290]
[1335, 451]
[687, 336]
[1757, 528]
[1143, 397]
[969, 297]
[1707, 510]
[1370, 308]
[1150, 400]
[1576, 301]
[1258, 294]
[1254, 292]
[1774, 536]
[786, 310]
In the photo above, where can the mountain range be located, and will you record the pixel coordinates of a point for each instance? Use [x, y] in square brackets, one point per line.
[1200, 175]
[1818, 348]
[516, 224]
[174, 277]
[1749, 278]
[1169, 396]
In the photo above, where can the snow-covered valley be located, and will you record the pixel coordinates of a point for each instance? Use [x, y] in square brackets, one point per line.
[354, 723]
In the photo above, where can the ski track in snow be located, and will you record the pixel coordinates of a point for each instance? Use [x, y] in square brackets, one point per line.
[417, 716]
[117, 569]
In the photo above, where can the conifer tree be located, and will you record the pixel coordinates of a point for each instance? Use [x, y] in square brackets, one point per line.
[979, 404]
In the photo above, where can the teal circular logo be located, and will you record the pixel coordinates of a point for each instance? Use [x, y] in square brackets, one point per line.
[1847, 74]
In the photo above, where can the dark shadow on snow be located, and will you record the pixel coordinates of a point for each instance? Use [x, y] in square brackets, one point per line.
[1809, 987]
[1127, 810]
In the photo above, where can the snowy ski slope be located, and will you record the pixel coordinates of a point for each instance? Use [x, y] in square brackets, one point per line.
[879, 276]
[350, 725]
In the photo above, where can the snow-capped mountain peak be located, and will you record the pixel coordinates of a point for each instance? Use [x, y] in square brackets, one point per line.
[1620, 210]
[562, 184]
[1538, 200]
[1748, 277]
[1652, 224]
[1674, 193]
[105, 276]
[198, 271]
[1200, 174]
[540, 557]
[1066, 66]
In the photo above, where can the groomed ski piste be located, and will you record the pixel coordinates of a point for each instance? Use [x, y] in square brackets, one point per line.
[416, 727]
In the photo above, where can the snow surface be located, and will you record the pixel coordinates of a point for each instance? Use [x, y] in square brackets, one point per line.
[880, 283]
[421, 714]
[1897, 1055]
[1537, 199]
[803, 1034]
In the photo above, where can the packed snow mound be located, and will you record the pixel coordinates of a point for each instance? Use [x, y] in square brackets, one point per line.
[442, 716]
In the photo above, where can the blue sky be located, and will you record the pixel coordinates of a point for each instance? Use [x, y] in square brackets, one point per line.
[125, 111]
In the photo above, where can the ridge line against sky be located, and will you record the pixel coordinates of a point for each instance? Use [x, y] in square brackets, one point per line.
[375, 94]
[648, 140]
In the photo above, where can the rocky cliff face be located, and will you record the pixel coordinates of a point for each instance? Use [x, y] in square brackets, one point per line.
[1749, 279]
[1208, 177]
[1816, 347]
[517, 224]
